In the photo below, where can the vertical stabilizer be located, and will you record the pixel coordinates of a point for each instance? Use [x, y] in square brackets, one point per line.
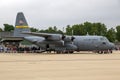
[21, 25]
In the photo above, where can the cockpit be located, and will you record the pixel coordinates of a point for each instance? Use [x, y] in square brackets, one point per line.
[106, 42]
[104, 39]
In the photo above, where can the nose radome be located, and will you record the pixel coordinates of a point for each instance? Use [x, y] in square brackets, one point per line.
[112, 45]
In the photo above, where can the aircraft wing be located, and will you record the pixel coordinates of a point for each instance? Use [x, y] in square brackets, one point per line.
[47, 36]
[37, 34]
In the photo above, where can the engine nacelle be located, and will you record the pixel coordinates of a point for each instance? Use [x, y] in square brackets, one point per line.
[59, 43]
[69, 39]
[71, 47]
[54, 38]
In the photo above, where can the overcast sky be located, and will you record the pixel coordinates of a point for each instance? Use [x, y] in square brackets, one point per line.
[44, 13]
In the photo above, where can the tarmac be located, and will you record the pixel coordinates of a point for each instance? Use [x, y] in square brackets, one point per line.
[82, 66]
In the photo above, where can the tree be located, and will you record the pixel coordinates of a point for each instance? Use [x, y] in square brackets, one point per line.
[118, 33]
[55, 29]
[78, 29]
[51, 30]
[100, 29]
[111, 35]
[68, 30]
[34, 29]
[1, 29]
[88, 27]
[8, 27]
[82, 30]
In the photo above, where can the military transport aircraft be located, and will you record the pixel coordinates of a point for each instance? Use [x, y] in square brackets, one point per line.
[59, 42]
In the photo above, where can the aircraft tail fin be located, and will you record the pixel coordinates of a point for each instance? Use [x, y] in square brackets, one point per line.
[21, 25]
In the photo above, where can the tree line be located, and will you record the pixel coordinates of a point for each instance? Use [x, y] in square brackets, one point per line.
[113, 34]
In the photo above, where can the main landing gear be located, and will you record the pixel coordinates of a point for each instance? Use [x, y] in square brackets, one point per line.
[104, 52]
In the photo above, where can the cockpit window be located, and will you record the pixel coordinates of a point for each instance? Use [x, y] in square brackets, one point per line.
[103, 39]
[104, 43]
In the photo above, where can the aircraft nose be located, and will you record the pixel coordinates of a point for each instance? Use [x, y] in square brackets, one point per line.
[112, 45]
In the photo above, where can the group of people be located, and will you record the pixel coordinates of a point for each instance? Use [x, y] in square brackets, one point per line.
[19, 49]
[118, 48]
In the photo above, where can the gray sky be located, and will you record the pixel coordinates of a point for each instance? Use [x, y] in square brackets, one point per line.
[44, 13]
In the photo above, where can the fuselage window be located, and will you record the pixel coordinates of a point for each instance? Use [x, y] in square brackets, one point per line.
[102, 39]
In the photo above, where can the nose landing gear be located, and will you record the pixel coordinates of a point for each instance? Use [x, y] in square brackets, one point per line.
[104, 52]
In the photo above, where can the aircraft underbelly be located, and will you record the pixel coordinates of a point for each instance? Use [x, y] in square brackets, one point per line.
[56, 46]
[103, 47]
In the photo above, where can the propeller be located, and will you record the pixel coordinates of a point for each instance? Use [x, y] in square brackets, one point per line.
[72, 38]
[63, 36]
[67, 39]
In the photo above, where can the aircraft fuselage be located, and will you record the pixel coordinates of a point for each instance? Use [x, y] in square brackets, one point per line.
[80, 43]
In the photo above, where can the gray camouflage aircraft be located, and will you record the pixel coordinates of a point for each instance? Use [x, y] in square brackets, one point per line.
[59, 42]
